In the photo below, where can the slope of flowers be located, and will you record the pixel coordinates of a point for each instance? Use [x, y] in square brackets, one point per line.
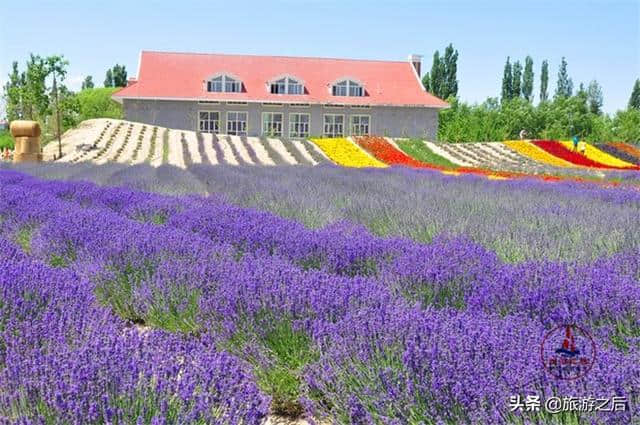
[362, 329]
[625, 147]
[532, 151]
[419, 150]
[343, 152]
[385, 152]
[620, 153]
[559, 150]
[599, 156]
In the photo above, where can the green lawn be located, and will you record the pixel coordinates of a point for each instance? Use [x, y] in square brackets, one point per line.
[418, 150]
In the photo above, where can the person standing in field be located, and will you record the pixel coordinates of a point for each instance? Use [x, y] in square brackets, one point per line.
[523, 134]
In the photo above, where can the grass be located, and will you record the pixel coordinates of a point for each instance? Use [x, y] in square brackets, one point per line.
[6, 140]
[286, 351]
[23, 238]
[418, 150]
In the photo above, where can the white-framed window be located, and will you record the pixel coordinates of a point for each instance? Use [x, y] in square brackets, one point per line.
[237, 123]
[270, 104]
[334, 106]
[224, 83]
[208, 102]
[286, 85]
[272, 124]
[209, 121]
[333, 125]
[360, 125]
[360, 106]
[298, 105]
[347, 88]
[299, 125]
[236, 103]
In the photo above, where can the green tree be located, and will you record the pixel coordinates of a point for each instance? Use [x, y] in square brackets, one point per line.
[97, 103]
[507, 82]
[527, 79]
[437, 75]
[595, 98]
[544, 81]
[564, 87]
[108, 80]
[450, 72]
[57, 68]
[626, 125]
[34, 94]
[13, 93]
[516, 80]
[87, 83]
[634, 101]
[426, 82]
[119, 73]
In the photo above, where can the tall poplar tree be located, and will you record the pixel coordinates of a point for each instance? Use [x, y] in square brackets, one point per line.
[450, 72]
[564, 87]
[437, 75]
[516, 80]
[544, 81]
[595, 98]
[634, 101]
[507, 82]
[527, 79]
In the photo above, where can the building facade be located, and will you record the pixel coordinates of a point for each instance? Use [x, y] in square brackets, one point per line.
[281, 96]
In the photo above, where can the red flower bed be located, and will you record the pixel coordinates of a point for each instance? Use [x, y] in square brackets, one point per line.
[556, 149]
[384, 151]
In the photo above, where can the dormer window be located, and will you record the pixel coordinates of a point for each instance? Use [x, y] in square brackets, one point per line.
[286, 85]
[224, 83]
[347, 88]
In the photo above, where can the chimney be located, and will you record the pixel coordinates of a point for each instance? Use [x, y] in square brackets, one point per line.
[131, 81]
[416, 60]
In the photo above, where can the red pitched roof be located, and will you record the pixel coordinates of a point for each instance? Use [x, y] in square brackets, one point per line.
[164, 75]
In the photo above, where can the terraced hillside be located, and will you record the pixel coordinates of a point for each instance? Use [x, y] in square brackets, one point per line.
[106, 140]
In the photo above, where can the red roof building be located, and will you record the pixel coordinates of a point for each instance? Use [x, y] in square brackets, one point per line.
[280, 96]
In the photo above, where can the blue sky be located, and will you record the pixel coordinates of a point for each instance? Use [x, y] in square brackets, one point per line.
[600, 39]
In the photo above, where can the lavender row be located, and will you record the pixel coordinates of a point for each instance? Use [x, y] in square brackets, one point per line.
[536, 220]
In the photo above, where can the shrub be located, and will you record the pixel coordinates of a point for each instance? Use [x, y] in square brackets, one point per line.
[97, 103]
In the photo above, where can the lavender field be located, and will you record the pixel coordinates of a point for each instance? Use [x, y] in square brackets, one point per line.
[134, 295]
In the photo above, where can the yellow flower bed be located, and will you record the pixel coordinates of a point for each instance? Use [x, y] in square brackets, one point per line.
[597, 155]
[343, 152]
[532, 151]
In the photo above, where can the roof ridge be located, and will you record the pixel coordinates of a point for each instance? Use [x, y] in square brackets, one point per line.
[272, 56]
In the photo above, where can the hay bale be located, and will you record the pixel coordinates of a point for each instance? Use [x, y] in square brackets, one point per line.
[27, 145]
[23, 128]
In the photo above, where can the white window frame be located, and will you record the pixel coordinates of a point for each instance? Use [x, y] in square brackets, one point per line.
[268, 125]
[299, 129]
[236, 84]
[287, 84]
[235, 132]
[209, 122]
[360, 126]
[349, 85]
[333, 133]
[299, 105]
